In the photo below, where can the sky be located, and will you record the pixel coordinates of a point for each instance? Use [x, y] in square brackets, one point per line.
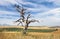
[46, 11]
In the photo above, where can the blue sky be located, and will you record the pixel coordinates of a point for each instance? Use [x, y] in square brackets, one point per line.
[46, 11]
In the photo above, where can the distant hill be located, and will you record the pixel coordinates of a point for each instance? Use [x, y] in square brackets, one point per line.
[55, 27]
[5, 25]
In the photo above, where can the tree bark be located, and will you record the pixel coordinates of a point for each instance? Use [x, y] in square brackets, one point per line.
[25, 30]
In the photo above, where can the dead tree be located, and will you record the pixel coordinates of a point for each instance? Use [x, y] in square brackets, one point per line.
[24, 17]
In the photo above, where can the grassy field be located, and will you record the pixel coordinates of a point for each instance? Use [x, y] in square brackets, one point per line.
[30, 35]
[29, 30]
[16, 33]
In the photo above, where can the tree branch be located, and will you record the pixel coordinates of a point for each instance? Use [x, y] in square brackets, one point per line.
[32, 21]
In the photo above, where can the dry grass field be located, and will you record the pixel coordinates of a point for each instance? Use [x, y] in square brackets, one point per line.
[30, 35]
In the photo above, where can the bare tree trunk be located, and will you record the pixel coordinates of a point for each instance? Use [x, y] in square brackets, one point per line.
[25, 30]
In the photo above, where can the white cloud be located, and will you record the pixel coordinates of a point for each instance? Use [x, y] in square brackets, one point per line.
[49, 20]
[55, 11]
[56, 2]
[7, 21]
[8, 12]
